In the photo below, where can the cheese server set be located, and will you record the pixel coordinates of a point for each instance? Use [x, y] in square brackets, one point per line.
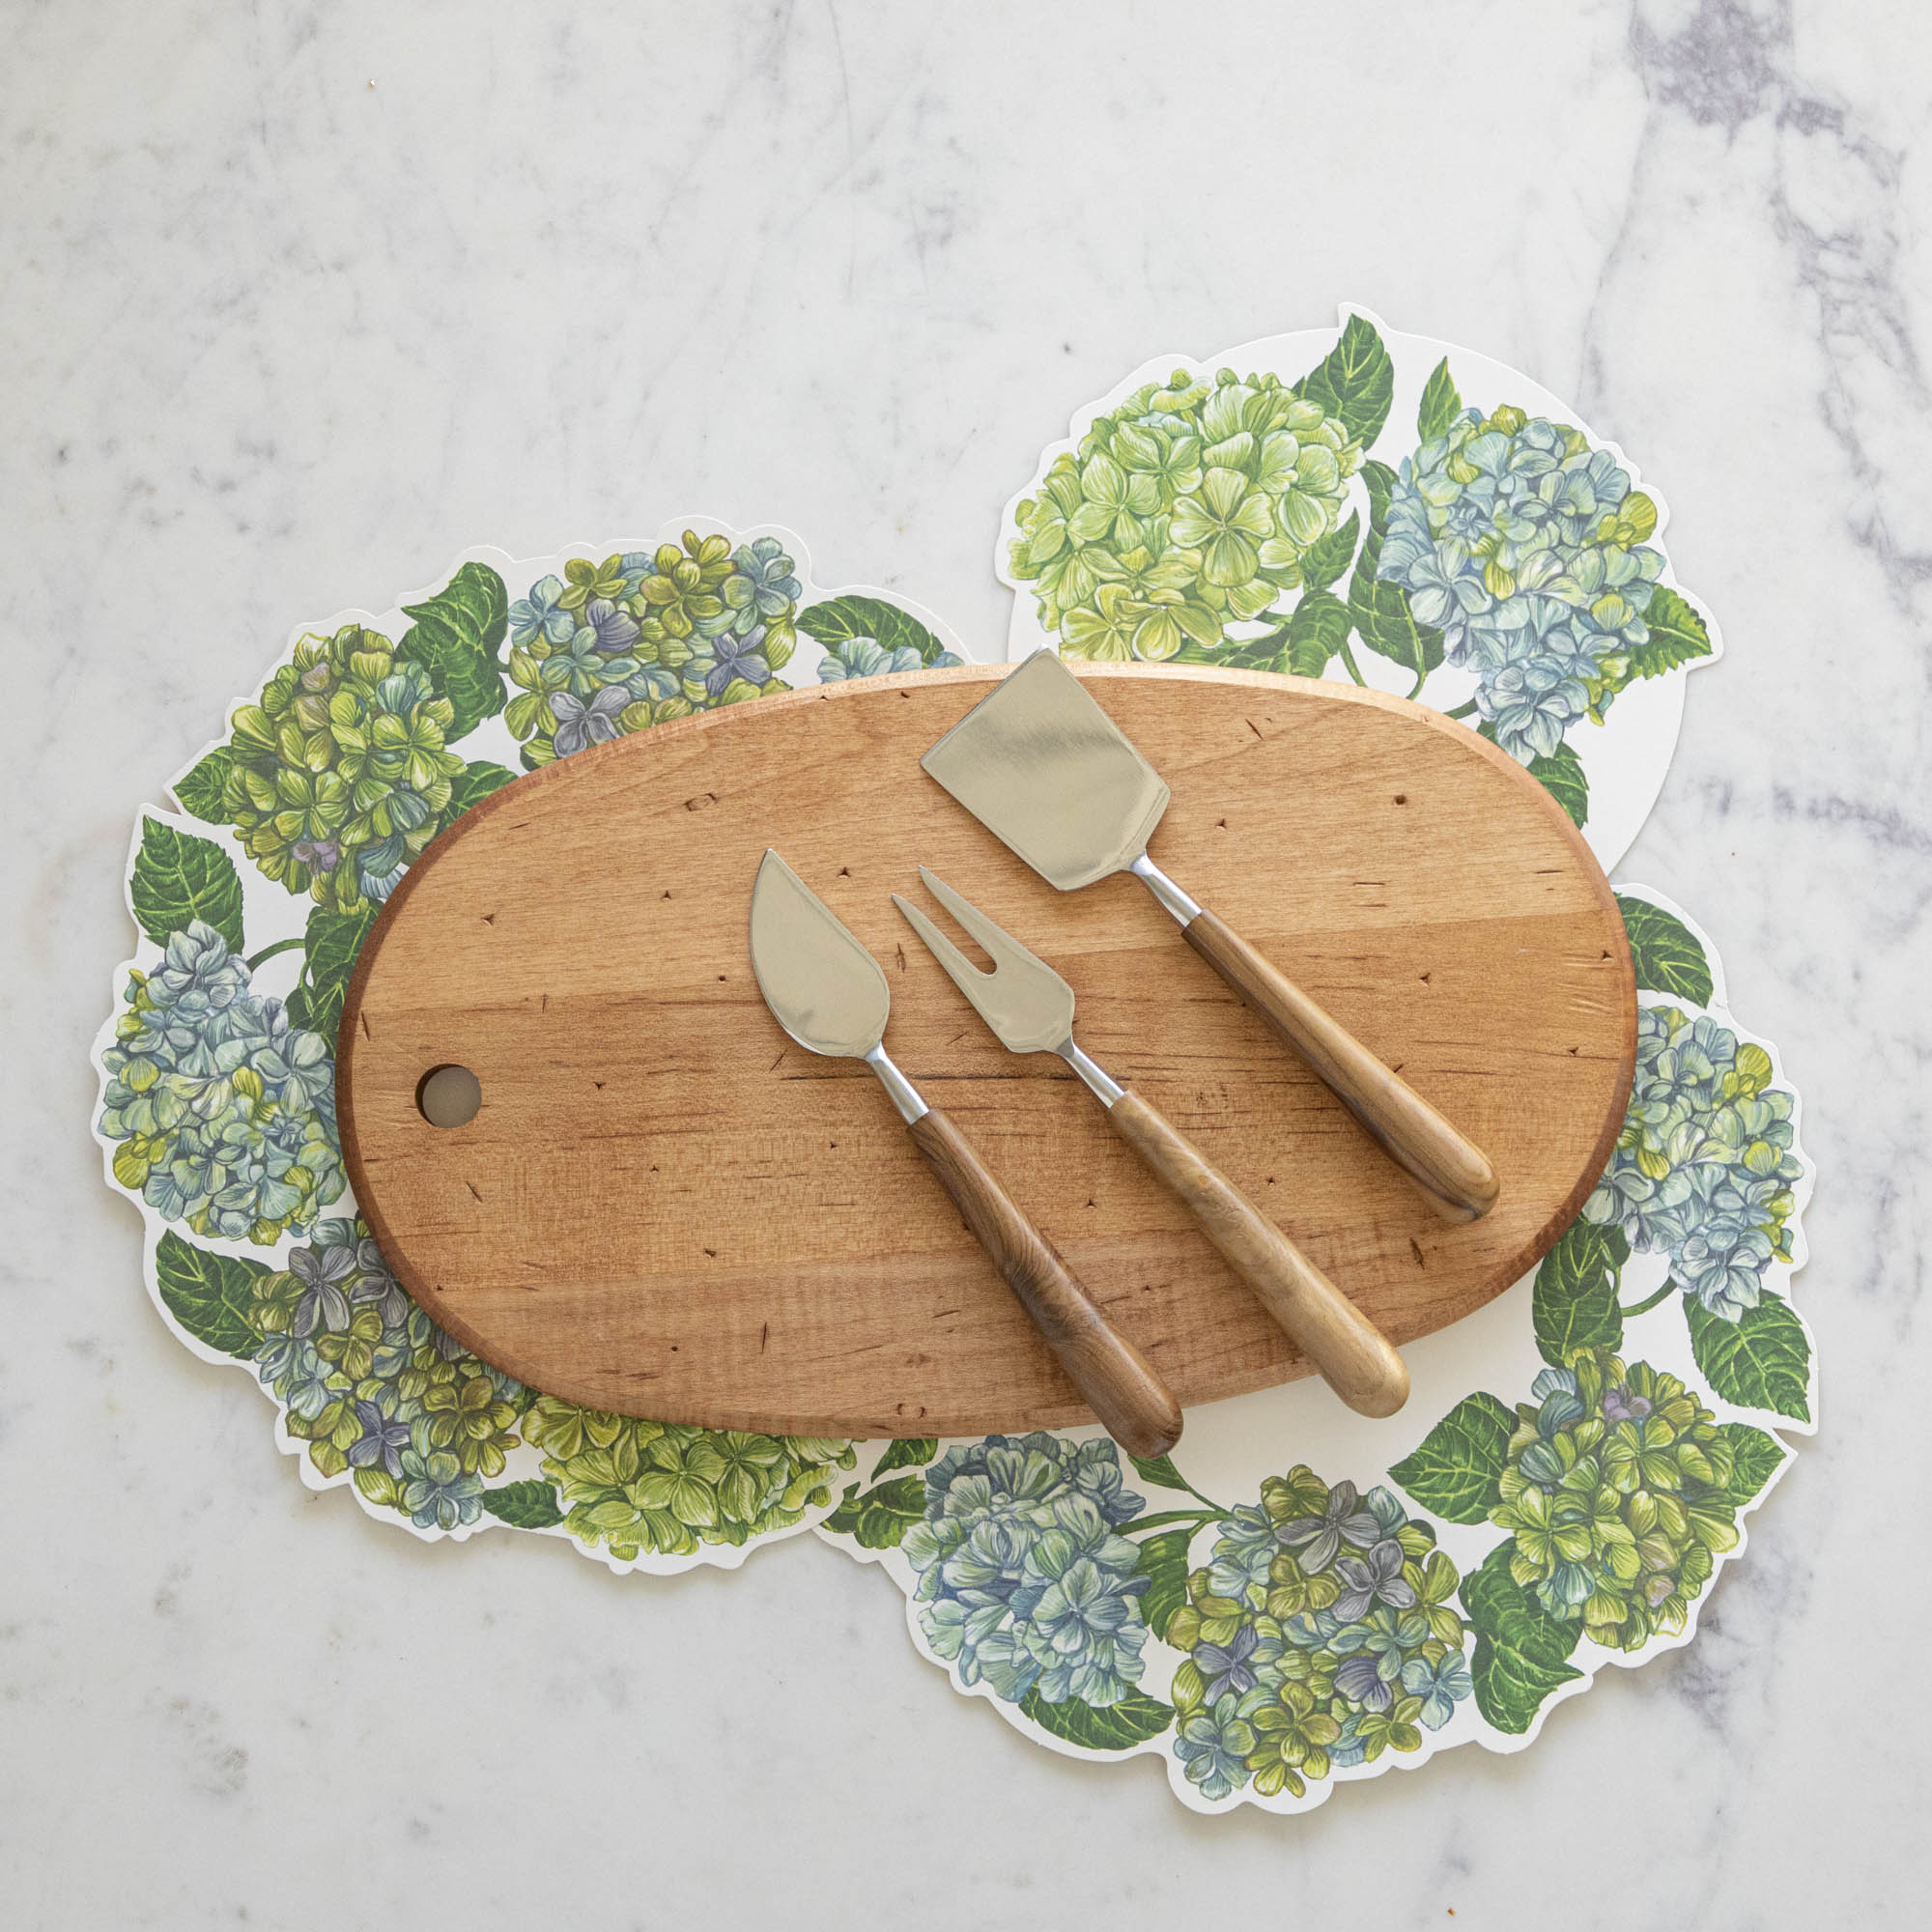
[1040, 764]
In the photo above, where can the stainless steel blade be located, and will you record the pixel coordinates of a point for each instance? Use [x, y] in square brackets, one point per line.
[823, 987]
[1047, 772]
[1022, 999]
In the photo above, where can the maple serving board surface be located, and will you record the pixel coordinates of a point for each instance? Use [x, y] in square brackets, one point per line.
[666, 1207]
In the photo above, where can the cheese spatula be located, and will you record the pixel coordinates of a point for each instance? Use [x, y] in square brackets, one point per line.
[1043, 768]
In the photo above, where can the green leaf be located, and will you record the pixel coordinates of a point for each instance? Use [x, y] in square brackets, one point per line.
[456, 637]
[1755, 1456]
[1455, 1469]
[1120, 1726]
[1576, 1295]
[1441, 405]
[333, 938]
[839, 620]
[474, 784]
[908, 1453]
[1511, 1688]
[530, 1505]
[1561, 774]
[1328, 557]
[1520, 1648]
[213, 1296]
[1159, 1470]
[1164, 1562]
[1317, 631]
[1501, 1607]
[204, 789]
[882, 1516]
[1762, 1361]
[1666, 952]
[1355, 381]
[1268, 653]
[1677, 635]
[179, 878]
[1379, 611]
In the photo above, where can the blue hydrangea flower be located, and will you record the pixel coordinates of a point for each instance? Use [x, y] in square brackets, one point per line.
[1524, 547]
[865, 657]
[721, 661]
[385, 1435]
[761, 588]
[579, 724]
[540, 615]
[1441, 1687]
[1022, 1581]
[1212, 1746]
[1316, 1539]
[1704, 1169]
[436, 1492]
[226, 1112]
[1245, 1549]
[1373, 1578]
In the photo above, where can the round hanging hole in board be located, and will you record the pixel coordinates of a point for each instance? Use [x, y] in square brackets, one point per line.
[448, 1096]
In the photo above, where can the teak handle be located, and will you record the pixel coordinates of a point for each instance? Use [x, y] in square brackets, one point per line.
[1136, 1406]
[1455, 1175]
[1356, 1358]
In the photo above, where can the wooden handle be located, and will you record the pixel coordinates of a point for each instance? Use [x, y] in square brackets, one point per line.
[1454, 1176]
[1136, 1406]
[1353, 1355]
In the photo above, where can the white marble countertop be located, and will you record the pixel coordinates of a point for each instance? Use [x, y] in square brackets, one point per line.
[300, 302]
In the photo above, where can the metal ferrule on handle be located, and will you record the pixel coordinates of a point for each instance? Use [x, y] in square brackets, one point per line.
[905, 1095]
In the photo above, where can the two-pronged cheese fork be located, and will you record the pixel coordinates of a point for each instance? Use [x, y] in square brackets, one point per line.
[1030, 1007]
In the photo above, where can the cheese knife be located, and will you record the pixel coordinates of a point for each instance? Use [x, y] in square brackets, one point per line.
[1049, 774]
[1030, 1007]
[830, 995]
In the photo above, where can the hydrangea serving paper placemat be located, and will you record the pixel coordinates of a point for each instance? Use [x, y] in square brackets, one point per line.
[1298, 1596]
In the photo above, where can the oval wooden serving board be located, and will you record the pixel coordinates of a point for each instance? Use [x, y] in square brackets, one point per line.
[665, 1207]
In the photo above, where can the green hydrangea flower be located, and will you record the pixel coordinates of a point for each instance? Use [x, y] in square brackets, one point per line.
[1320, 1634]
[225, 1113]
[339, 776]
[1617, 1496]
[1183, 514]
[641, 637]
[667, 1487]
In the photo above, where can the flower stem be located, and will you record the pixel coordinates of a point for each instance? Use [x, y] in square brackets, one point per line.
[1421, 678]
[1650, 1302]
[1353, 669]
[1468, 710]
[269, 951]
[1169, 1517]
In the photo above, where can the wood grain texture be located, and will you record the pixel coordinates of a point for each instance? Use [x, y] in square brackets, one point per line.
[1137, 1407]
[1454, 1177]
[665, 1207]
[1348, 1351]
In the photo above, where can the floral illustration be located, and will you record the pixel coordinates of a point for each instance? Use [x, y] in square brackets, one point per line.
[223, 1114]
[1703, 1171]
[372, 1386]
[1524, 547]
[1618, 1497]
[1022, 1579]
[668, 1487]
[615, 646]
[1188, 509]
[1321, 1633]
[1264, 1649]
[1497, 562]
